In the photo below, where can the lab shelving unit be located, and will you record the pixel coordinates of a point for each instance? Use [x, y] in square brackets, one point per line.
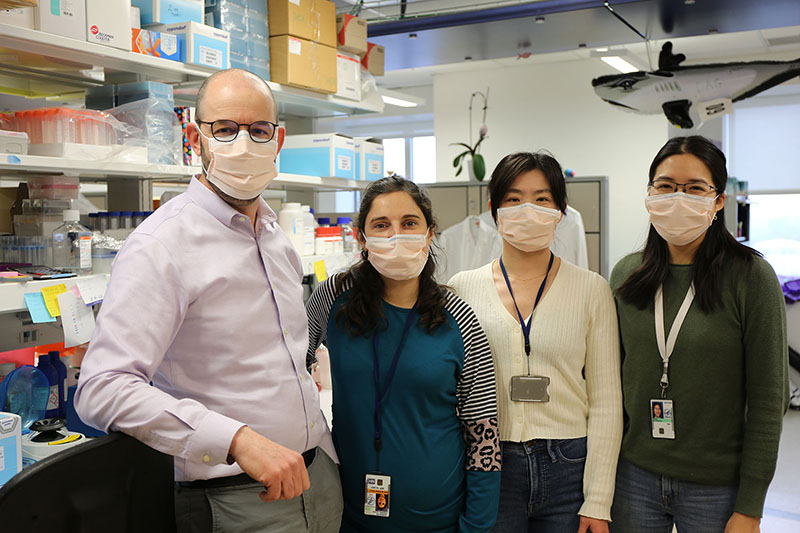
[36, 64]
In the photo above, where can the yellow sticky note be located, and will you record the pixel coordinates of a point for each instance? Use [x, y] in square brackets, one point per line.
[321, 271]
[51, 298]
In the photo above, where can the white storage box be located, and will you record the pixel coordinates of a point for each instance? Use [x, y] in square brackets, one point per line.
[323, 155]
[369, 158]
[62, 17]
[10, 446]
[348, 74]
[13, 142]
[200, 44]
[170, 11]
[108, 22]
[20, 16]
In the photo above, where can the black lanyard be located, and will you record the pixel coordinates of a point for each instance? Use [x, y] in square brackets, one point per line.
[526, 328]
[381, 393]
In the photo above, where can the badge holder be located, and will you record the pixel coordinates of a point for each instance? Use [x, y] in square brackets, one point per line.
[662, 414]
[377, 490]
[530, 389]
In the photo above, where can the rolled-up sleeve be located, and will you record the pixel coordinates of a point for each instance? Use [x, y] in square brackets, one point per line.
[142, 312]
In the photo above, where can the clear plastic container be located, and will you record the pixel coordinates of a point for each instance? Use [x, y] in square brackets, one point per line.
[113, 220]
[126, 219]
[53, 187]
[309, 230]
[72, 245]
[348, 236]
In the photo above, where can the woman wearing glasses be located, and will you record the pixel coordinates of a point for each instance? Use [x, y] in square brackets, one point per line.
[553, 332]
[703, 332]
[414, 408]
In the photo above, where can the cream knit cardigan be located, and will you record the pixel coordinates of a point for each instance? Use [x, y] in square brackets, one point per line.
[574, 329]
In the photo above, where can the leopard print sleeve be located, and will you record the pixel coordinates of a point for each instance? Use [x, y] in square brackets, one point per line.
[476, 391]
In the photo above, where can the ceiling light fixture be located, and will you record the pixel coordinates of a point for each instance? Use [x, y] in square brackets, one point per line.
[539, 20]
[602, 49]
[400, 99]
[391, 100]
[619, 64]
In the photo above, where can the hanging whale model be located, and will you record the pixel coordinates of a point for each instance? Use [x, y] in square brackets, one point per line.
[709, 90]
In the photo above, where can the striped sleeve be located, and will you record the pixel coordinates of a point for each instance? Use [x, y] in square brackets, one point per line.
[318, 309]
[476, 390]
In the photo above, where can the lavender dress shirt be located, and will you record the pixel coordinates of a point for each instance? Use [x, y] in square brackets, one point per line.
[212, 313]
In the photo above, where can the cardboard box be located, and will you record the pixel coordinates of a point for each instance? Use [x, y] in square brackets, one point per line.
[348, 75]
[10, 446]
[321, 155]
[170, 11]
[108, 22]
[368, 158]
[66, 18]
[312, 20]
[351, 33]
[156, 44]
[374, 58]
[200, 44]
[302, 63]
[20, 16]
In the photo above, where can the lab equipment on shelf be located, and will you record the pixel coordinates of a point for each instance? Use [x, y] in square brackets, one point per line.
[72, 245]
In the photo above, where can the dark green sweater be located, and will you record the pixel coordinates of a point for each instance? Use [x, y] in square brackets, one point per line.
[728, 380]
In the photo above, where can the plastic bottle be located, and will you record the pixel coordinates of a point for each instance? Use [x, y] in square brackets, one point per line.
[72, 245]
[309, 230]
[348, 237]
[53, 399]
[290, 220]
[324, 222]
[93, 223]
[61, 368]
[113, 220]
[126, 219]
[102, 221]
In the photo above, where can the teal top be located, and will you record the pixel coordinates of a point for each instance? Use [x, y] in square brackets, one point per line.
[440, 441]
[728, 378]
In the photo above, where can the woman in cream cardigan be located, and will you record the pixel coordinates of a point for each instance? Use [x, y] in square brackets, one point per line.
[553, 331]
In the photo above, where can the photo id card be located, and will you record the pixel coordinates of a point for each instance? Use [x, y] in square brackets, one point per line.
[662, 414]
[530, 388]
[376, 495]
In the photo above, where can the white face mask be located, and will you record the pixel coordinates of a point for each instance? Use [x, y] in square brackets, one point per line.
[680, 218]
[399, 257]
[528, 227]
[241, 168]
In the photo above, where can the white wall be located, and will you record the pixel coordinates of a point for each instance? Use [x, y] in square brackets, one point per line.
[553, 106]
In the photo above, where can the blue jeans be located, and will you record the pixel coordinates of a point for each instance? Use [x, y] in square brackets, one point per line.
[645, 502]
[541, 486]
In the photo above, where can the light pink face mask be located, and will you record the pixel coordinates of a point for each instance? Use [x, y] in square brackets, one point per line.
[241, 168]
[680, 218]
[528, 227]
[399, 257]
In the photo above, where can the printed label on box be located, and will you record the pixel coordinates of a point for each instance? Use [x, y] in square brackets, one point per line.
[68, 8]
[2, 458]
[344, 162]
[169, 44]
[210, 57]
[55, 7]
[295, 47]
[374, 167]
[295, 2]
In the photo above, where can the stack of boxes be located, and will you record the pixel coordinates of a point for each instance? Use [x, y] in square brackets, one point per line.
[302, 44]
[246, 21]
[198, 43]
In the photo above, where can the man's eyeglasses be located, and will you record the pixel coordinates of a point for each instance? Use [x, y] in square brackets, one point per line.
[226, 130]
[697, 188]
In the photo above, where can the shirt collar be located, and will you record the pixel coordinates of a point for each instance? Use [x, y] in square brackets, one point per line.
[209, 201]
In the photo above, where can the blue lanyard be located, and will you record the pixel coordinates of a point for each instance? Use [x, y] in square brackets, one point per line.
[381, 393]
[526, 328]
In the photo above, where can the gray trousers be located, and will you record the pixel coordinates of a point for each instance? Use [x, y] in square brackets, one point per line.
[239, 509]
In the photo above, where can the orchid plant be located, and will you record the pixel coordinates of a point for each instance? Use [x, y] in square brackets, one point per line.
[478, 164]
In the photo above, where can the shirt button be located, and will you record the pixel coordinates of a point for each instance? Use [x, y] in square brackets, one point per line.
[206, 458]
[242, 219]
[312, 425]
[285, 332]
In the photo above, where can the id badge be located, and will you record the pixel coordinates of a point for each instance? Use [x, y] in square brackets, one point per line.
[530, 388]
[662, 414]
[376, 495]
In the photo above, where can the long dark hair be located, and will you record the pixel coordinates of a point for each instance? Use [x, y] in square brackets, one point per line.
[718, 251]
[362, 312]
[512, 165]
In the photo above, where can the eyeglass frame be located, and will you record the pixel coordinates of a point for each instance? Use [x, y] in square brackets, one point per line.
[275, 126]
[684, 185]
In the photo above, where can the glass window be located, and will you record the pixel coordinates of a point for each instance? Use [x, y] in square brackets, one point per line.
[423, 154]
[394, 153]
[774, 216]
